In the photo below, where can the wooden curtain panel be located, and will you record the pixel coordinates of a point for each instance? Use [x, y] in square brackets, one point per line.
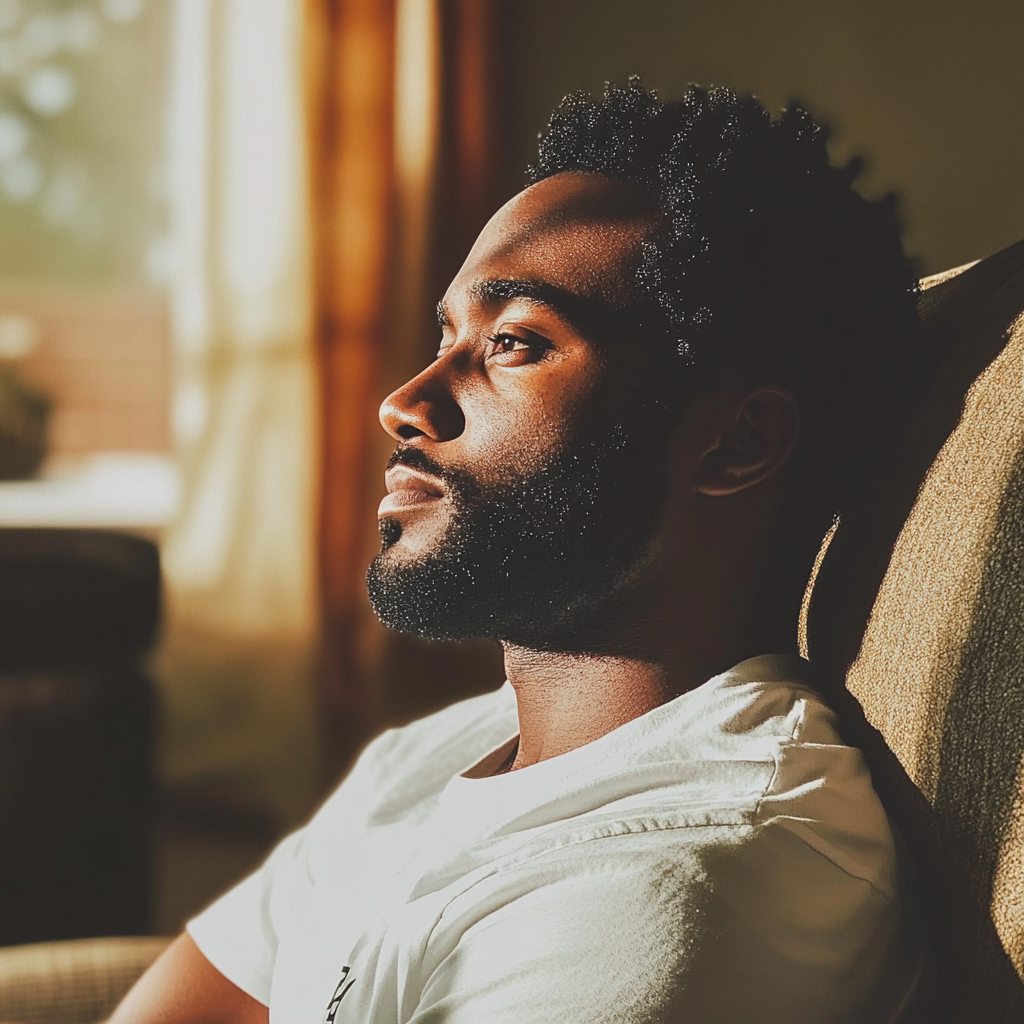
[399, 193]
[470, 182]
[351, 45]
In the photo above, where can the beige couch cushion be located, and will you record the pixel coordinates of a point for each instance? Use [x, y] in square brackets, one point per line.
[919, 603]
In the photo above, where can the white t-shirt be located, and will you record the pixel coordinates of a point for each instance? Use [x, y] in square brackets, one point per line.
[720, 858]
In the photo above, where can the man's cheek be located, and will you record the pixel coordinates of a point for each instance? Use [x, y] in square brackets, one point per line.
[517, 446]
[510, 458]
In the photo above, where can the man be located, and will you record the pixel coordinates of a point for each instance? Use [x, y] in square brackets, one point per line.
[664, 367]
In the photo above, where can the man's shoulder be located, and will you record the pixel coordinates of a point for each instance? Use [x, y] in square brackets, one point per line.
[413, 762]
[767, 694]
[745, 715]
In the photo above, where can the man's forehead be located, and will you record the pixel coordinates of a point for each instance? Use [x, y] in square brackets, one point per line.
[580, 232]
[575, 196]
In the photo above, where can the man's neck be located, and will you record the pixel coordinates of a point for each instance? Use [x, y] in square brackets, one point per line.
[567, 700]
[644, 650]
[569, 697]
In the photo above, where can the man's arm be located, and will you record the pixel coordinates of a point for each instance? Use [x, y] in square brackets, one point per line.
[183, 987]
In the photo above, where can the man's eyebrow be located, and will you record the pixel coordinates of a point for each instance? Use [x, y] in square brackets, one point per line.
[503, 289]
[590, 316]
[443, 319]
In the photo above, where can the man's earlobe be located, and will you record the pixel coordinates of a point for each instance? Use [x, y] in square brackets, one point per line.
[753, 445]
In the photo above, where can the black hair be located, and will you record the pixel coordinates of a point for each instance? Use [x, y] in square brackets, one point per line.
[767, 264]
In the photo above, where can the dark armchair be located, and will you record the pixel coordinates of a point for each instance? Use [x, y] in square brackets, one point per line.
[78, 615]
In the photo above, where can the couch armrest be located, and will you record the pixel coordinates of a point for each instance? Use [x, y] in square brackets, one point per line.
[74, 982]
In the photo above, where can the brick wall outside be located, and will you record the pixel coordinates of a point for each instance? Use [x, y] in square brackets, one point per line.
[103, 358]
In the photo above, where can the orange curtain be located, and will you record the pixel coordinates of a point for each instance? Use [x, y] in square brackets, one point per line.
[399, 194]
[351, 69]
[470, 185]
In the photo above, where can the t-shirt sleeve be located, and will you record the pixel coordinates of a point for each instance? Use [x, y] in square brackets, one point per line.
[753, 925]
[238, 933]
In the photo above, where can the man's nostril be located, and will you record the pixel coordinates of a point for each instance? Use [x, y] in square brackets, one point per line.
[407, 432]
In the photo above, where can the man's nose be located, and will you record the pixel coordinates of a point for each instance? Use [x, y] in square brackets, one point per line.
[424, 407]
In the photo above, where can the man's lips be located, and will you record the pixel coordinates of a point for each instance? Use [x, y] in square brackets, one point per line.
[407, 488]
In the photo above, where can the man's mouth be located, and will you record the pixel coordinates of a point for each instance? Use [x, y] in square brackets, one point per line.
[408, 488]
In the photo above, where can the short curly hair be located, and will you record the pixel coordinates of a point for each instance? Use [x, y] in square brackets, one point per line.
[767, 263]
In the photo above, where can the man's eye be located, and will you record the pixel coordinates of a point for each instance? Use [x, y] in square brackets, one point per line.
[513, 350]
[507, 343]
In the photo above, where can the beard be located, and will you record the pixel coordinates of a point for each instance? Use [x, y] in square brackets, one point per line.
[532, 558]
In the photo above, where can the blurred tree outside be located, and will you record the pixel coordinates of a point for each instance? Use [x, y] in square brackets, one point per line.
[82, 90]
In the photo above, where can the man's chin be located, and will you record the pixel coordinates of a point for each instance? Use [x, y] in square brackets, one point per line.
[416, 595]
[534, 562]
[446, 598]
[439, 599]
[408, 543]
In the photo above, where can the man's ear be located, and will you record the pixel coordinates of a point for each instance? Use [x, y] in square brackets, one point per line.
[755, 441]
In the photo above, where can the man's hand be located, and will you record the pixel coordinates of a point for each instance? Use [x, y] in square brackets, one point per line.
[183, 987]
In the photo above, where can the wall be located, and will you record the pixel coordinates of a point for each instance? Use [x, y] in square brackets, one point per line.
[931, 93]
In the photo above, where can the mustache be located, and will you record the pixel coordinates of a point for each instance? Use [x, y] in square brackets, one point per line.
[460, 486]
[416, 458]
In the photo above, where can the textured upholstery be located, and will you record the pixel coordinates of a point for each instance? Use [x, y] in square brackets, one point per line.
[76, 982]
[919, 605]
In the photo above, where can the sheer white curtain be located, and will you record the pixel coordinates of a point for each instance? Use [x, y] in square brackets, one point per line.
[239, 562]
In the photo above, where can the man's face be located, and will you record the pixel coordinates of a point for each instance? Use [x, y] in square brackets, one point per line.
[530, 478]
